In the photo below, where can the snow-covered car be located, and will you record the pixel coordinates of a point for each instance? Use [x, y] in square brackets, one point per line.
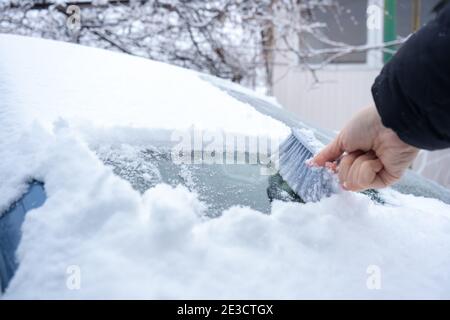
[123, 177]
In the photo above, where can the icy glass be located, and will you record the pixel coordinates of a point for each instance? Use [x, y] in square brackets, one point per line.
[411, 183]
[10, 230]
[219, 186]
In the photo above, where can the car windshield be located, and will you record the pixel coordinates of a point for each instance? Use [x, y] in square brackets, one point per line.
[221, 186]
[10, 229]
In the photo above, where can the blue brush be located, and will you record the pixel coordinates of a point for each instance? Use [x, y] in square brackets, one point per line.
[309, 182]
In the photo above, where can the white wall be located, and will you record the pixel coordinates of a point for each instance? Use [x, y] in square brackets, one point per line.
[434, 166]
[329, 104]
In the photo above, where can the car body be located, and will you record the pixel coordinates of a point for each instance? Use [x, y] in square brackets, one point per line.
[219, 186]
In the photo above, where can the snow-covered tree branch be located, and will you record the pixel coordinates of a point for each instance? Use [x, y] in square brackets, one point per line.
[233, 39]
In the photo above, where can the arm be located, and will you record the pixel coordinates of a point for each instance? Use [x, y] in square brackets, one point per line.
[412, 97]
[412, 93]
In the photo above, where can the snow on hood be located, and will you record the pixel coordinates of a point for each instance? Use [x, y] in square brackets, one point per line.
[160, 244]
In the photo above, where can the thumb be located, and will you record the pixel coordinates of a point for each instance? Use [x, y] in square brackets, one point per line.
[329, 154]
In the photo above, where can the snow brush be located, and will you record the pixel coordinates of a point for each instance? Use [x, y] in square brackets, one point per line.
[309, 182]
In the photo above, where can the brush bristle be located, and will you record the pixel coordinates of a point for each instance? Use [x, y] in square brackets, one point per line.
[310, 183]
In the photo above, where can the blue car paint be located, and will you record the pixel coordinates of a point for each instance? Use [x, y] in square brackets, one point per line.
[10, 230]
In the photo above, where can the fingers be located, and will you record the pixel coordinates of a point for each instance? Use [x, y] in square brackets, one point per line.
[329, 154]
[368, 175]
[361, 171]
[388, 178]
[345, 165]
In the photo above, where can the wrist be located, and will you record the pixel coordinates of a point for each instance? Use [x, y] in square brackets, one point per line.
[377, 126]
[383, 134]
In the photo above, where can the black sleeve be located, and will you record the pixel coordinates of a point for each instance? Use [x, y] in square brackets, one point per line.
[412, 93]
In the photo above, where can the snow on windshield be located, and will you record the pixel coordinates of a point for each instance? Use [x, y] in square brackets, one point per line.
[159, 244]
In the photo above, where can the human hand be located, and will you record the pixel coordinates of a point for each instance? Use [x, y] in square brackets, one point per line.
[369, 155]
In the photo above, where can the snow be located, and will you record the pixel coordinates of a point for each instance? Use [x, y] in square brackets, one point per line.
[116, 90]
[57, 100]
[309, 139]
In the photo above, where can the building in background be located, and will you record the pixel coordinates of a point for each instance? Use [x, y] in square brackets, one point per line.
[327, 95]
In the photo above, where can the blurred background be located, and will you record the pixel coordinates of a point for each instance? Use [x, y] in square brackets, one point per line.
[318, 58]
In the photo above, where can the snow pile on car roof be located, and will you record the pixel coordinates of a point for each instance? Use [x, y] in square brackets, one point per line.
[108, 89]
[96, 237]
